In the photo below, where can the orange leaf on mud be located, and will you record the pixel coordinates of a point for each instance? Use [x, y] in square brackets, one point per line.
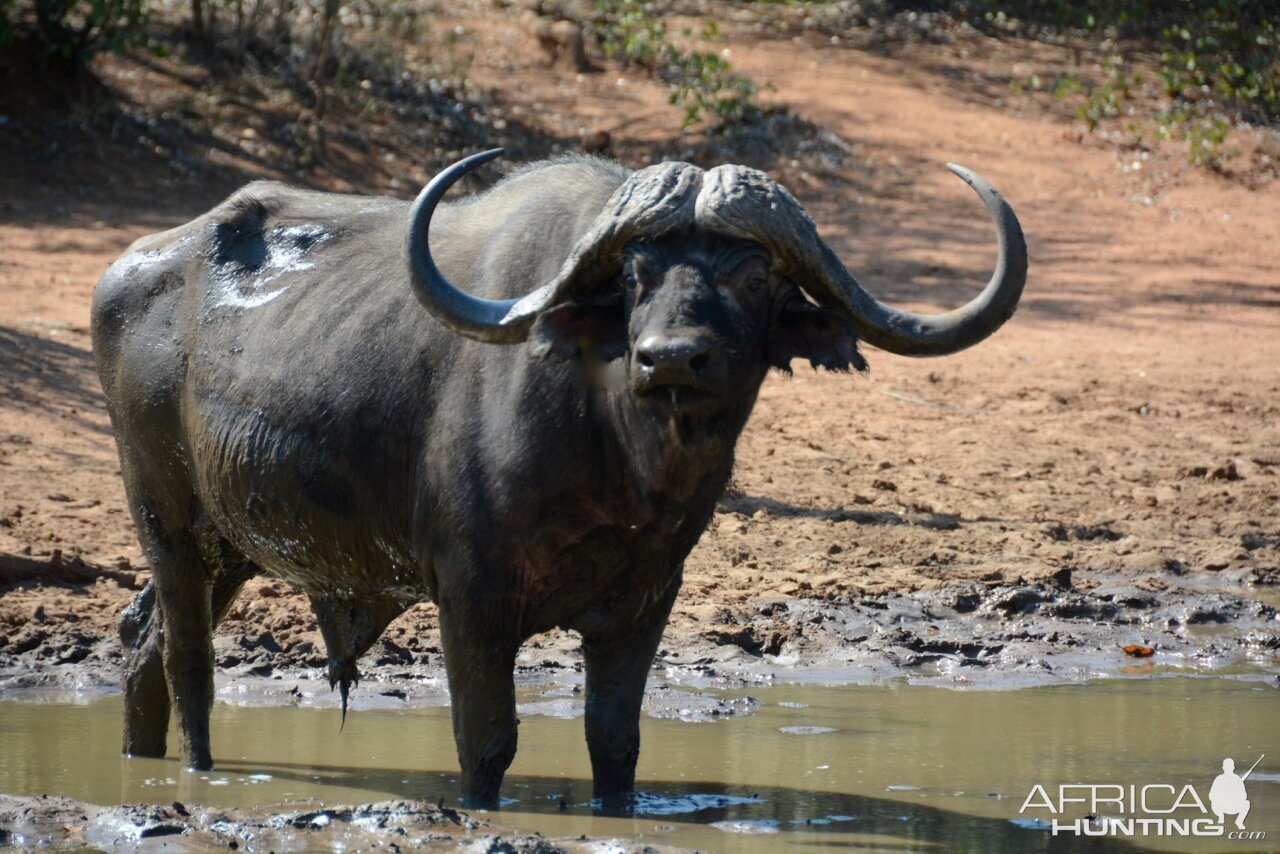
[1138, 651]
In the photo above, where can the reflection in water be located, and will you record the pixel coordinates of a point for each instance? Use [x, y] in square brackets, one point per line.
[889, 768]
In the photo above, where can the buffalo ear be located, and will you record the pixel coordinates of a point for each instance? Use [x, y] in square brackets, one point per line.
[806, 331]
[594, 329]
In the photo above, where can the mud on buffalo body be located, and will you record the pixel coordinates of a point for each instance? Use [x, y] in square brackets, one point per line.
[540, 447]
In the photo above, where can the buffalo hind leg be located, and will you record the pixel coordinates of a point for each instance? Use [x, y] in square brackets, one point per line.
[482, 695]
[146, 693]
[146, 696]
[617, 666]
[196, 576]
[184, 593]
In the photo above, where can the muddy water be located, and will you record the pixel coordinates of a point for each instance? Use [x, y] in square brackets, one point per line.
[880, 767]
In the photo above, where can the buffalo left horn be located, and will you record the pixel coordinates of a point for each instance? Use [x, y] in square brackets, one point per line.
[748, 203]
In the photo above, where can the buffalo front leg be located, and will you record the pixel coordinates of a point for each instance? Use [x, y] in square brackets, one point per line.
[617, 667]
[483, 700]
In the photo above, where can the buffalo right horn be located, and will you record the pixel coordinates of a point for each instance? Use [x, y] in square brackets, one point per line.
[650, 202]
[482, 319]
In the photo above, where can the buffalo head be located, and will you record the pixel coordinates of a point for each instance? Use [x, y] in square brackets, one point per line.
[692, 281]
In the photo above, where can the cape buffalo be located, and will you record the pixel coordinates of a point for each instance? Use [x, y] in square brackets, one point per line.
[541, 446]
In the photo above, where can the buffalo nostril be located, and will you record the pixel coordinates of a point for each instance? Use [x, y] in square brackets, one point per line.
[679, 360]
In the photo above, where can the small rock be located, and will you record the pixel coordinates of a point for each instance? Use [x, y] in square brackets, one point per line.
[1222, 557]
[1226, 471]
[1062, 578]
[265, 641]
[1144, 561]
[166, 829]
[1126, 595]
[1017, 600]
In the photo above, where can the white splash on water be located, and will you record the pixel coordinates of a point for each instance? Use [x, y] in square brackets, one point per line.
[648, 803]
[750, 826]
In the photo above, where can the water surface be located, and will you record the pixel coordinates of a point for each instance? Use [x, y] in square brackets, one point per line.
[885, 768]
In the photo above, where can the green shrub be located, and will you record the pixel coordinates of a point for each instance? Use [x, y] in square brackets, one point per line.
[1229, 49]
[71, 31]
[1218, 60]
[703, 83]
[1104, 100]
[628, 34]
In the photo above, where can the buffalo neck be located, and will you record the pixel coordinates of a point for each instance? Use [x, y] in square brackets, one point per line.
[674, 457]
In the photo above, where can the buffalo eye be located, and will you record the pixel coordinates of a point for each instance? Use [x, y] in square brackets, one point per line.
[638, 273]
[750, 274]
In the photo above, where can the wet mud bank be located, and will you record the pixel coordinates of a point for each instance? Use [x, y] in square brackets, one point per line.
[1067, 628]
[51, 823]
[1062, 629]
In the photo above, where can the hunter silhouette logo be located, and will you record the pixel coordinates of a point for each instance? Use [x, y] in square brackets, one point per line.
[1227, 796]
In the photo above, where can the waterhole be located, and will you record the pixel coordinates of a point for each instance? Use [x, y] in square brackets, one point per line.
[811, 767]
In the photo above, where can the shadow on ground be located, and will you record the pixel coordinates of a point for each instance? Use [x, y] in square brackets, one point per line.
[750, 504]
[38, 373]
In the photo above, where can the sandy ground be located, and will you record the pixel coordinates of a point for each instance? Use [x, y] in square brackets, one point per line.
[1105, 471]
